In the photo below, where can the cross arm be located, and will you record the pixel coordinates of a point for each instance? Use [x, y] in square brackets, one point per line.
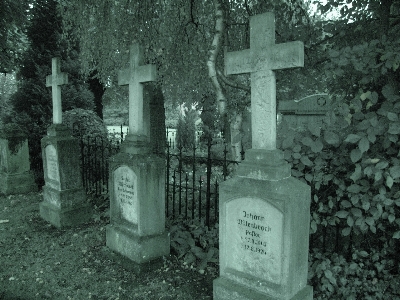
[287, 55]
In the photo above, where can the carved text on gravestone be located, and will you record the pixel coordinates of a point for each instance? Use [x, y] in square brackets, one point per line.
[125, 189]
[254, 233]
[52, 163]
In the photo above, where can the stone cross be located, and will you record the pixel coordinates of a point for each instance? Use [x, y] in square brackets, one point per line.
[55, 80]
[260, 60]
[134, 76]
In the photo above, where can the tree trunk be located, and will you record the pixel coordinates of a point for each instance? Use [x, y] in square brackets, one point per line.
[236, 137]
[98, 90]
[215, 47]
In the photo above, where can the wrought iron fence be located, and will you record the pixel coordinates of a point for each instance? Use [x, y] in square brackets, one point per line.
[192, 176]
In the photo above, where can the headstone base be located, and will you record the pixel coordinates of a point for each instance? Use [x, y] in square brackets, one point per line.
[131, 266]
[225, 289]
[140, 249]
[17, 183]
[65, 208]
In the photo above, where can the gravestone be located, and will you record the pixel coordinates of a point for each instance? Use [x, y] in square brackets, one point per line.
[298, 114]
[16, 176]
[264, 212]
[64, 199]
[137, 179]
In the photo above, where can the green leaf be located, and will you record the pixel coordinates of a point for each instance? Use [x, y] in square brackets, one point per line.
[356, 212]
[370, 221]
[363, 144]
[342, 214]
[296, 155]
[392, 116]
[366, 205]
[391, 218]
[389, 181]
[317, 146]
[307, 141]
[352, 138]
[396, 235]
[306, 161]
[354, 188]
[350, 221]
[394, 128]
[314, 128]
[363, 253]
[346, 231]
[287, 142]
[346, 204]
[357, 173]
[381, 165]
[331, 137]
[309, 177]
[313, 226]
[355, 155]
[395, 172]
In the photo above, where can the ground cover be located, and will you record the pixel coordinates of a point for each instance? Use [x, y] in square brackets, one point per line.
[38, 261]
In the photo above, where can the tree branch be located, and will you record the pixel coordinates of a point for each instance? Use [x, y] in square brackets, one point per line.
[215, 46]
[231, 83]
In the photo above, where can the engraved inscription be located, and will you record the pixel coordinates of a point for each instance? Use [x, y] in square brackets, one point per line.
[254, 238]
[52, 163]
[125, 187]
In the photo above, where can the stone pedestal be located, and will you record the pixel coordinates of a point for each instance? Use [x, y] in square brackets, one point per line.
[264, 231]
[64, 201]
[137, 195]
[15, 174]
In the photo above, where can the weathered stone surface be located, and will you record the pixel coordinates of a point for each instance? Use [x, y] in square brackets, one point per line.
[15, 174]
[54, 81]
[264, 232]
[137, 211]
[311, 110]
[64, 199]
[264, 213]
[137, 179]
[260, 60]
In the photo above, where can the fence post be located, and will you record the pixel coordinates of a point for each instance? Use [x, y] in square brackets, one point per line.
[193, 179]
[167, 180]
[208, 193]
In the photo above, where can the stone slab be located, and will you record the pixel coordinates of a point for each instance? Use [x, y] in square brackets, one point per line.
[62, 218]
[264, 227]
[61, 162]
[140, 201]
[17, 183]
[140, 249]
[225, 289]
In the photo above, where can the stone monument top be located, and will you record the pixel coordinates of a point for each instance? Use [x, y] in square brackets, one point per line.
[134, 76]
[263, 57]
[54, 81]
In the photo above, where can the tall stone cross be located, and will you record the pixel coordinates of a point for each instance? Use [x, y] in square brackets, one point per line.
[263, 57]
[55, 80]
[134, 76]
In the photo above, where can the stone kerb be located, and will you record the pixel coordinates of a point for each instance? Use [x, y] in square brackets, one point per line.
[15, 174]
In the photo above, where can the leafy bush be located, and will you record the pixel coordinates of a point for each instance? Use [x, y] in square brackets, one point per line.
[194, 243]
[364, 276]
[85, 123]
